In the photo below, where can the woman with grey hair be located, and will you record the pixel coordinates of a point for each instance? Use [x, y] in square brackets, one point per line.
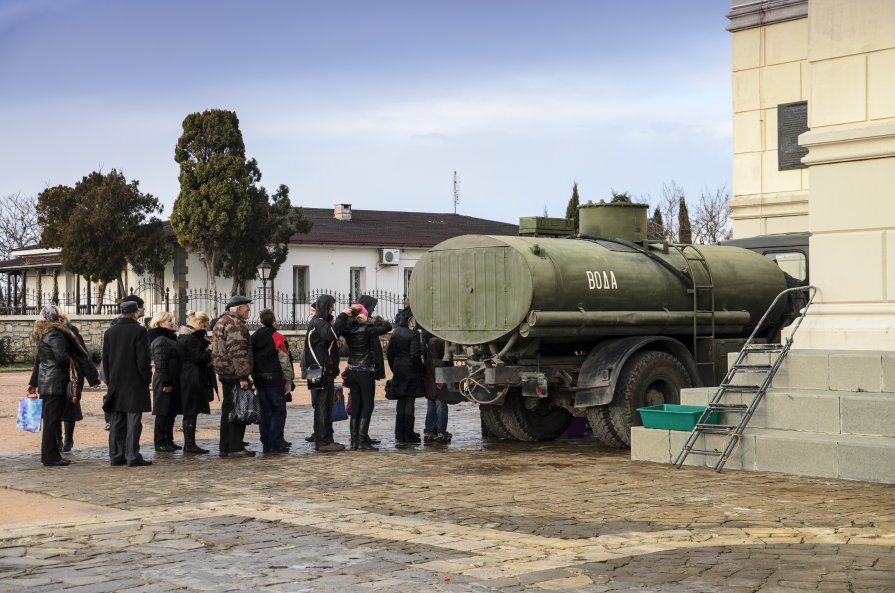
[57, 350]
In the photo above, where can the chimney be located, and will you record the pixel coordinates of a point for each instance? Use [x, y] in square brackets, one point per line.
[342, 211]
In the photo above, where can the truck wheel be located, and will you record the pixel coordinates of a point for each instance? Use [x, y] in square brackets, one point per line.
[493, 421]
[648, 378]
[601, 424]
[532, 419]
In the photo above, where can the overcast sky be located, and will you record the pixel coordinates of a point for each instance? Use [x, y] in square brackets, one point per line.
[376, 103]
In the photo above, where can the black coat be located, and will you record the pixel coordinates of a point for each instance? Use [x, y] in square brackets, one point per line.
[166, 358]
[364, 347]
[405, 357]
[126, 367]
[197, 379]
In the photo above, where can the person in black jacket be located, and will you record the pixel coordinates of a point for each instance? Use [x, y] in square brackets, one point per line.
[197, 379]
[86, 372]
[321, 352]
[274, 378]
[166, 405]
[128, 374]
[362, 335]
[57, 350]
[406, 361]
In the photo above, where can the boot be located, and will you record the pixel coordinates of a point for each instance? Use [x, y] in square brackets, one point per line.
[399, 429]
[189, 438]
[171, 442]
[355, 439]
[69, 440]
[364, 436]
[59, 438]
[409, 435]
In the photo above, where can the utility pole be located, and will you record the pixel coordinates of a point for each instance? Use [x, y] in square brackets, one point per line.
[456, 191]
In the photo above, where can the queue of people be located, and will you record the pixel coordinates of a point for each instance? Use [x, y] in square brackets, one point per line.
[177, 373]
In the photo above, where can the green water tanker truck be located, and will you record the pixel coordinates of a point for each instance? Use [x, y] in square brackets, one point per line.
[540, 329]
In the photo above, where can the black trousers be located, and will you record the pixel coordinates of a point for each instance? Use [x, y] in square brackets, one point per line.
[323, 412]
[164, 430]
[124, 436]
[232, 433]
[53, 406]
[363, 390]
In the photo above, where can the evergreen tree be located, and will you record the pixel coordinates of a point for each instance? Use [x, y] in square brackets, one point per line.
[572, 208]
[101, 225]
[685, 234]
[655, 228]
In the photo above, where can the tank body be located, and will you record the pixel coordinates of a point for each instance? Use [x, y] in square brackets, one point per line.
[478, 289]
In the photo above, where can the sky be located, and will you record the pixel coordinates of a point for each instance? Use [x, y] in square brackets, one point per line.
[376, 103]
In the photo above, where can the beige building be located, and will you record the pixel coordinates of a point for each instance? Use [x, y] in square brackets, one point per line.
[814, 150]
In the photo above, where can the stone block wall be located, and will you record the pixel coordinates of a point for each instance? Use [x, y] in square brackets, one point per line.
[18, 330]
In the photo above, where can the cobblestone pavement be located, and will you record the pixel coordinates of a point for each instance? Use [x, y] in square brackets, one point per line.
[490, 516]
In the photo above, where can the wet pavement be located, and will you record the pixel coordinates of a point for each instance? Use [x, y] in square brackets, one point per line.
[475, 515]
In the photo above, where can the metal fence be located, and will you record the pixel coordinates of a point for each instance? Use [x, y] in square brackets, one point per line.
[291, 310]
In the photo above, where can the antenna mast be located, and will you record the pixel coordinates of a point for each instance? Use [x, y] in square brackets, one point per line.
[456, 191]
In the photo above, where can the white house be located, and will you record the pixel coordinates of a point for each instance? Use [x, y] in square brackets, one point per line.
[347, 252]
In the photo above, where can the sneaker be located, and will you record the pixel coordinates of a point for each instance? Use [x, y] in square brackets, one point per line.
[443, 438]
[429, 437]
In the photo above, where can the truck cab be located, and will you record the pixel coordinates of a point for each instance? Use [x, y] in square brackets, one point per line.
[787, 250]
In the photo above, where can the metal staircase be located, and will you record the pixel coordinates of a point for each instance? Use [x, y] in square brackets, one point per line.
[703, 291]
[742, 365]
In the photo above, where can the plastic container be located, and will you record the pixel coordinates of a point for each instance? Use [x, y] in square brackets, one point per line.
[674, 416]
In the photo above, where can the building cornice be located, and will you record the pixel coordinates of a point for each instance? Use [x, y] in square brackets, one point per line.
[749, 15]
[859, 142]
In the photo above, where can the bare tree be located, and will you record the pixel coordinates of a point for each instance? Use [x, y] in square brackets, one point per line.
[18, 222]
[667, 207]
[18, 228]
[711, 222]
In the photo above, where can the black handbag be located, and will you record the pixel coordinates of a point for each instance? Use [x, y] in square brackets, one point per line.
[314, 376]
[246, 407]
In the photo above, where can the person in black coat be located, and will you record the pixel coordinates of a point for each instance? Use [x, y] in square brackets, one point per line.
[165, 381]
[321, 352]
[405, 357]
[57, 350]
[362, 336]
[126, 366]
[197, 378]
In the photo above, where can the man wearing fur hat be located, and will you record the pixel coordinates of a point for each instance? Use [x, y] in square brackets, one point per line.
[231, 354]
[56, 347]
[126, 366]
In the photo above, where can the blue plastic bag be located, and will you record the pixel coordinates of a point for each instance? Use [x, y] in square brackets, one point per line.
[339, 411]
[30, 412]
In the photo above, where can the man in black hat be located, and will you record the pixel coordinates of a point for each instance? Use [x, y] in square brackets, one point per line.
[140, 312]
[231, 353]
[126, 366]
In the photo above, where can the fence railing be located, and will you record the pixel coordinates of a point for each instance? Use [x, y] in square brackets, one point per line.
[291, 310]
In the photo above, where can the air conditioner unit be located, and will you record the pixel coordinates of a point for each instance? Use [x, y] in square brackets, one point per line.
[390, 257]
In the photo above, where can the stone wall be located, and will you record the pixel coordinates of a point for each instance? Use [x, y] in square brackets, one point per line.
[18, 330]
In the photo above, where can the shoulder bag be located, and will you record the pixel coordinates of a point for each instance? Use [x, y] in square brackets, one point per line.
[71, 390]
[314, 376]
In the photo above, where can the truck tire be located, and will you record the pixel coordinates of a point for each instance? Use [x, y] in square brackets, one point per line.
[493, 421]
[530, 419]
[649, 378]
[601, 425]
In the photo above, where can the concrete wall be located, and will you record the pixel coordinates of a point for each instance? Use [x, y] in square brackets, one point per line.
[852, 162]
[770, 67]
